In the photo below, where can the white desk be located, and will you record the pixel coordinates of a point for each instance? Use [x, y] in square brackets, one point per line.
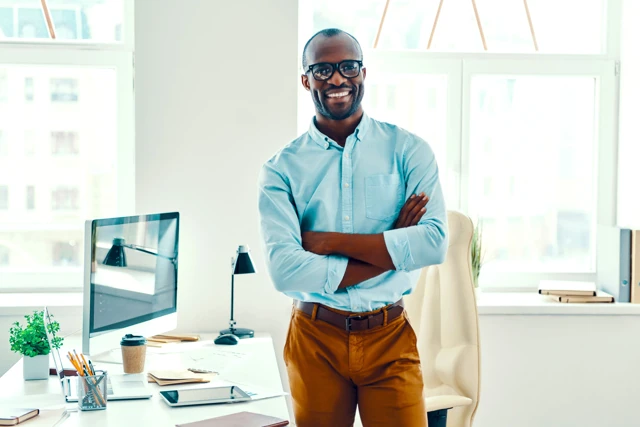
[259, 369]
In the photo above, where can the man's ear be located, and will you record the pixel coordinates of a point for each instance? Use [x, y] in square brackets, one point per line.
[364, 73]
[305, 82]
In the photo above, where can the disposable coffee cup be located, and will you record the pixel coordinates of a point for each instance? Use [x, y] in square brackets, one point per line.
[134, 350]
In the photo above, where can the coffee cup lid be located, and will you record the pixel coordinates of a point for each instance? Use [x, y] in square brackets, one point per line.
[131, 340]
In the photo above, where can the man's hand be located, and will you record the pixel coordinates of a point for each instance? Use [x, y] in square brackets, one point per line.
[412, 211]
[317, 242]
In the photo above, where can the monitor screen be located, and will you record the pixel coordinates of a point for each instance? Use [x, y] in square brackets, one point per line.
[134, 270]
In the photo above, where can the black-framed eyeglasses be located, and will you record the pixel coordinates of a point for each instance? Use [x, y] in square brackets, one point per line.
[348, 68]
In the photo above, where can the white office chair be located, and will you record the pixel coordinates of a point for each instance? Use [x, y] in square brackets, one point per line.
[443, 312]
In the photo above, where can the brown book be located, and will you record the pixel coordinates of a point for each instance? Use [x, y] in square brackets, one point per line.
[240, 419]
[12, 417]
[567, 288]
[601, 297]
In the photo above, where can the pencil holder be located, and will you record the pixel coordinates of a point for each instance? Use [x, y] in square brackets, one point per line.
[92, 392]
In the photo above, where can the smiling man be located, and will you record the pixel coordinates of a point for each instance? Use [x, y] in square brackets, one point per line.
[350, 212]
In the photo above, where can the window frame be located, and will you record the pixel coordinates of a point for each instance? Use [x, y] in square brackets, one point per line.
[118, 56]
[460, 67]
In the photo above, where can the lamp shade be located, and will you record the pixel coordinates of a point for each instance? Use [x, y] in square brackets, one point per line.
[243, 263]
[115, 257]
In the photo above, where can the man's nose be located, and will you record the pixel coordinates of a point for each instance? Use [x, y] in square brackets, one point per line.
[337, 79]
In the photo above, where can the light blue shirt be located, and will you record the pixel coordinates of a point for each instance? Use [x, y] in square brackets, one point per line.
[314, 184]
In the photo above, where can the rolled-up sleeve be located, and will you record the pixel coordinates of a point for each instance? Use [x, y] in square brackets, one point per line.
[425, 243]
[291, 268]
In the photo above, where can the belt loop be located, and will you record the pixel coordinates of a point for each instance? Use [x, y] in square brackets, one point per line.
[314, 314]
[386, 316]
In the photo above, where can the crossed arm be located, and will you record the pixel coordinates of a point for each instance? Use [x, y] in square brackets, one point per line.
[368, 254]
[323, 262]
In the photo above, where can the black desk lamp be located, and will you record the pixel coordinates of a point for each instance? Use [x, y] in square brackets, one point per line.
[240, 264]
[116, 257]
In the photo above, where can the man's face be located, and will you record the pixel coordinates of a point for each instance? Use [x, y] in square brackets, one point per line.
[339, 97]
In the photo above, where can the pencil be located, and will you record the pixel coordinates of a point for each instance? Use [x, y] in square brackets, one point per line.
[86, 364]
[90, 382]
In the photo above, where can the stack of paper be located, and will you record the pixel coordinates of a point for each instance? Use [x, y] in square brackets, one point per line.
[163, 378]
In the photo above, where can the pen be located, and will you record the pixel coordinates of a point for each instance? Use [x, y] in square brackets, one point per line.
[91, 366]
[201, 371]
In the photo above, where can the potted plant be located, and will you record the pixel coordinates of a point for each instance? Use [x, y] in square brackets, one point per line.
[31, 342]
[477, 256]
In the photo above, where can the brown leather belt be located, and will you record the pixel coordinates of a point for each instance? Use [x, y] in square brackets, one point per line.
[352, 322]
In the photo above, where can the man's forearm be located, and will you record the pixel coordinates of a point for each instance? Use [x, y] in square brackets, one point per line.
[368, 248]
[358, 272]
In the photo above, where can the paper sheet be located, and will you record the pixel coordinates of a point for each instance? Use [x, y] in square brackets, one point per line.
[213, 359]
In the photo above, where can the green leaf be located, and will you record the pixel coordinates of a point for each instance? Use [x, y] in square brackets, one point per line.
[32, 339]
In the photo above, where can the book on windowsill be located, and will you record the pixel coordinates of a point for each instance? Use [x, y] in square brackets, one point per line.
[15, 416]
[240, 419]
[567, 288]
[600, 297]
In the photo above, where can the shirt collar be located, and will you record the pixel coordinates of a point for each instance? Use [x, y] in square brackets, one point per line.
[324, 141]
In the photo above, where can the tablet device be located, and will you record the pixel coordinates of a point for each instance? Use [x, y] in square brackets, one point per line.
[204, 396]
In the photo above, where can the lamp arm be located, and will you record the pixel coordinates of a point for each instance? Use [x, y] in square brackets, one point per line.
[147, 251]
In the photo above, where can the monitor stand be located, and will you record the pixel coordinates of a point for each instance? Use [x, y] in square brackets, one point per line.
[110, 356]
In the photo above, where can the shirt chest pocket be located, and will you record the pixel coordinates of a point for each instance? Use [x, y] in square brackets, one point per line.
[383, 196]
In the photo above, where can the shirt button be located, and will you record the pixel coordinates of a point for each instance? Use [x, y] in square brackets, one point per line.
[346, 184]
[346, 155]
[346, 218]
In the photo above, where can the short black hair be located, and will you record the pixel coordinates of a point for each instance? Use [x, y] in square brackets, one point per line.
[327, 32]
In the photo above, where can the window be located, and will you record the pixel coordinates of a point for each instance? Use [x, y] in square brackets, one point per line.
[4, 85]
[64, 143]
[529, 135]
[4, 197]
[546, 26]
[524, 142]
[4, 146]
[4, 255]
[29, 142]
[65, 254]
[31, 197]
[65, 198]
[64, 90]
[66, 113]
[81, 20]
[28, 89]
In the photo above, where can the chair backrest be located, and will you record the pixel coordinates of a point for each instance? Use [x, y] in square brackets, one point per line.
[443, 311]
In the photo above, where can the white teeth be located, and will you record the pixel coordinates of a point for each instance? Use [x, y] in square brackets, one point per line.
[337, 95]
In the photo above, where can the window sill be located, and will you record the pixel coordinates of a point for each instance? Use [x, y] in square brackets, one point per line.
[17, 304]
[531, 303]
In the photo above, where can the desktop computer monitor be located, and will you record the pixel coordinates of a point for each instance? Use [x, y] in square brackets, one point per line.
[130, 279]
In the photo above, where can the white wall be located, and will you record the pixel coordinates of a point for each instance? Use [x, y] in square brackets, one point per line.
[559, 371]
[216, 89]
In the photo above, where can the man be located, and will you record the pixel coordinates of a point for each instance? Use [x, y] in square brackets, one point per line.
[346, 227]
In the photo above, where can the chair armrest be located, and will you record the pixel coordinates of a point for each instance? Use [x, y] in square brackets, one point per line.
[436, 403]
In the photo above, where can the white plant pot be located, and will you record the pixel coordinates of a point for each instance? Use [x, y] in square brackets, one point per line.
[35, 368]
